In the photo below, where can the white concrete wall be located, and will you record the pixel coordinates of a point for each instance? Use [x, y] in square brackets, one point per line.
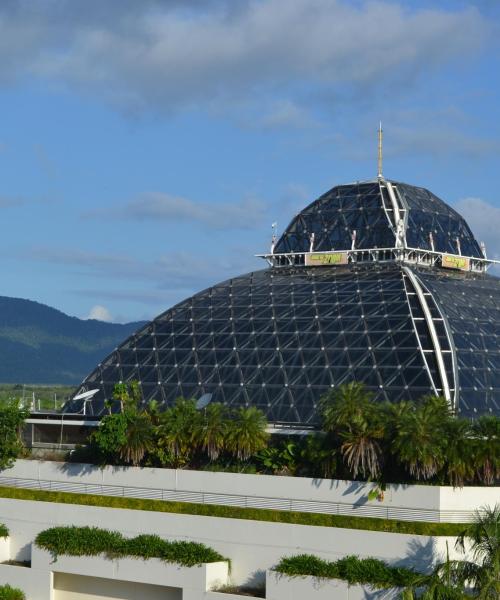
[281, 587]
[253, 546]
[36, 584]
[78, 587]
[134, 570]
[419, 497]
[4, 549]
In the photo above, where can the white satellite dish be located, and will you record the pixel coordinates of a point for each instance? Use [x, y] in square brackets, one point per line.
[204, 401]
[86, 395]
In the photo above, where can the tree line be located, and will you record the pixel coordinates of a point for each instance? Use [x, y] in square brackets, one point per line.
[359, 438]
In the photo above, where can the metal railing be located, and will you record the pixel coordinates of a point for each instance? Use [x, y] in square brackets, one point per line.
[363, 508]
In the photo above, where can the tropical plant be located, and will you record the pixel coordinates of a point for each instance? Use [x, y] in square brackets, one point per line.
[352, 569]
[280, 459]
[212, 429]
[459, 452]
[350, 412]
[318, 457]
[482, 539]
[419, 442]
[486, 433]
[139, 438]
[247, 433]
[110, 437]
[121, 394]
[177, 432]
[12, 418]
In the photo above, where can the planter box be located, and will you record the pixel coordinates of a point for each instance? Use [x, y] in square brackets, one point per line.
[35, 583]
[282, 587]
[152, 571]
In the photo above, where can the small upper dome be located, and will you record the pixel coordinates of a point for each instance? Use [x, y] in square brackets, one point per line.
[378, 212]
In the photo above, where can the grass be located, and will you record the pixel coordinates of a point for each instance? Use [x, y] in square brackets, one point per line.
[92, 541]
[230, 512]
[352, 569]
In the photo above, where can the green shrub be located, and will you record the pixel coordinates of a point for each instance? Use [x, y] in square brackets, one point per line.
[10, 593]
[235, 512]
[369, 571]
[307, 564]
[4, 531]
[91, 541]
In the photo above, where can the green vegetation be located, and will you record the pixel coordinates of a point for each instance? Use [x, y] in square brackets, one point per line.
[92, 541]
[360, 439]
[408, 441]
[9, 593]
[11, 421]
[178, 437]
[231, 512]
[451, 580]
[4, 531]
[45, 397]
[43, 345]
[352, 569]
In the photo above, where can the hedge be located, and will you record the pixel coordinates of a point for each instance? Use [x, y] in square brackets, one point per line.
[4, 532]
[368, 571]
[231, 512]
[10, 593]
[92, 541]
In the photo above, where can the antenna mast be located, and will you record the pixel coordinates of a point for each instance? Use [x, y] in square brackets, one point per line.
[380, 176]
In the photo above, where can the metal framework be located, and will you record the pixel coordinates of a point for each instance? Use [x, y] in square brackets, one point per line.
[411, 256]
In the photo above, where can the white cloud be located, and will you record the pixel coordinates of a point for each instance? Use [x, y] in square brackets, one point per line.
[484, 220]
[100, 313]
[170, 55]
[153, 206]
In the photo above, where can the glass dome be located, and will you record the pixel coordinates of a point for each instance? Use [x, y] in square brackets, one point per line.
[279, 338]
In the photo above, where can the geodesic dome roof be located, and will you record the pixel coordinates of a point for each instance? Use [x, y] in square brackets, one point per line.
[279, 338]
[367, 209]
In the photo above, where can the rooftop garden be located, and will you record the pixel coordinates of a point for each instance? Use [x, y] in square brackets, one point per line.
[93, 541]
[449, 580]
[360, 439]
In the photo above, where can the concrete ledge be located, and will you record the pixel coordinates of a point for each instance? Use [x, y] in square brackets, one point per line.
[151, 571]
[282, 587]
[35, 583]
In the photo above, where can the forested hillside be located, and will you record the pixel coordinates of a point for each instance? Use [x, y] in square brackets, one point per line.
[39, 344]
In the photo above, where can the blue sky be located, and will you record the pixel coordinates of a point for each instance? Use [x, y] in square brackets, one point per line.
[146, 147]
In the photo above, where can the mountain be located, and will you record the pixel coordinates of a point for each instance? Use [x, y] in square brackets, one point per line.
[39, 344]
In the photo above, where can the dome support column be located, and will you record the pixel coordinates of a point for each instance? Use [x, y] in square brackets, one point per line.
[443, 375]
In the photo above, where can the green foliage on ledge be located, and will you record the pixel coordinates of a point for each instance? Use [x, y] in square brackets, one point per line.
[92, 541]
[4, 531]
[9, 593]
[352, 569]
[230, 512]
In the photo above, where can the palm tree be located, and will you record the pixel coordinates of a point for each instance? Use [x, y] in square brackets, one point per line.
[177, 430]
[350, 412]
[459, 452]
[482, 537]
[419, 440]
[246, 433]
[486, 432]
[212, 430]
[341, 405]
[139, 438]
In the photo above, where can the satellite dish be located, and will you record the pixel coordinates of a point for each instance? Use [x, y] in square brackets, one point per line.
[204, 401]
[86, 395]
